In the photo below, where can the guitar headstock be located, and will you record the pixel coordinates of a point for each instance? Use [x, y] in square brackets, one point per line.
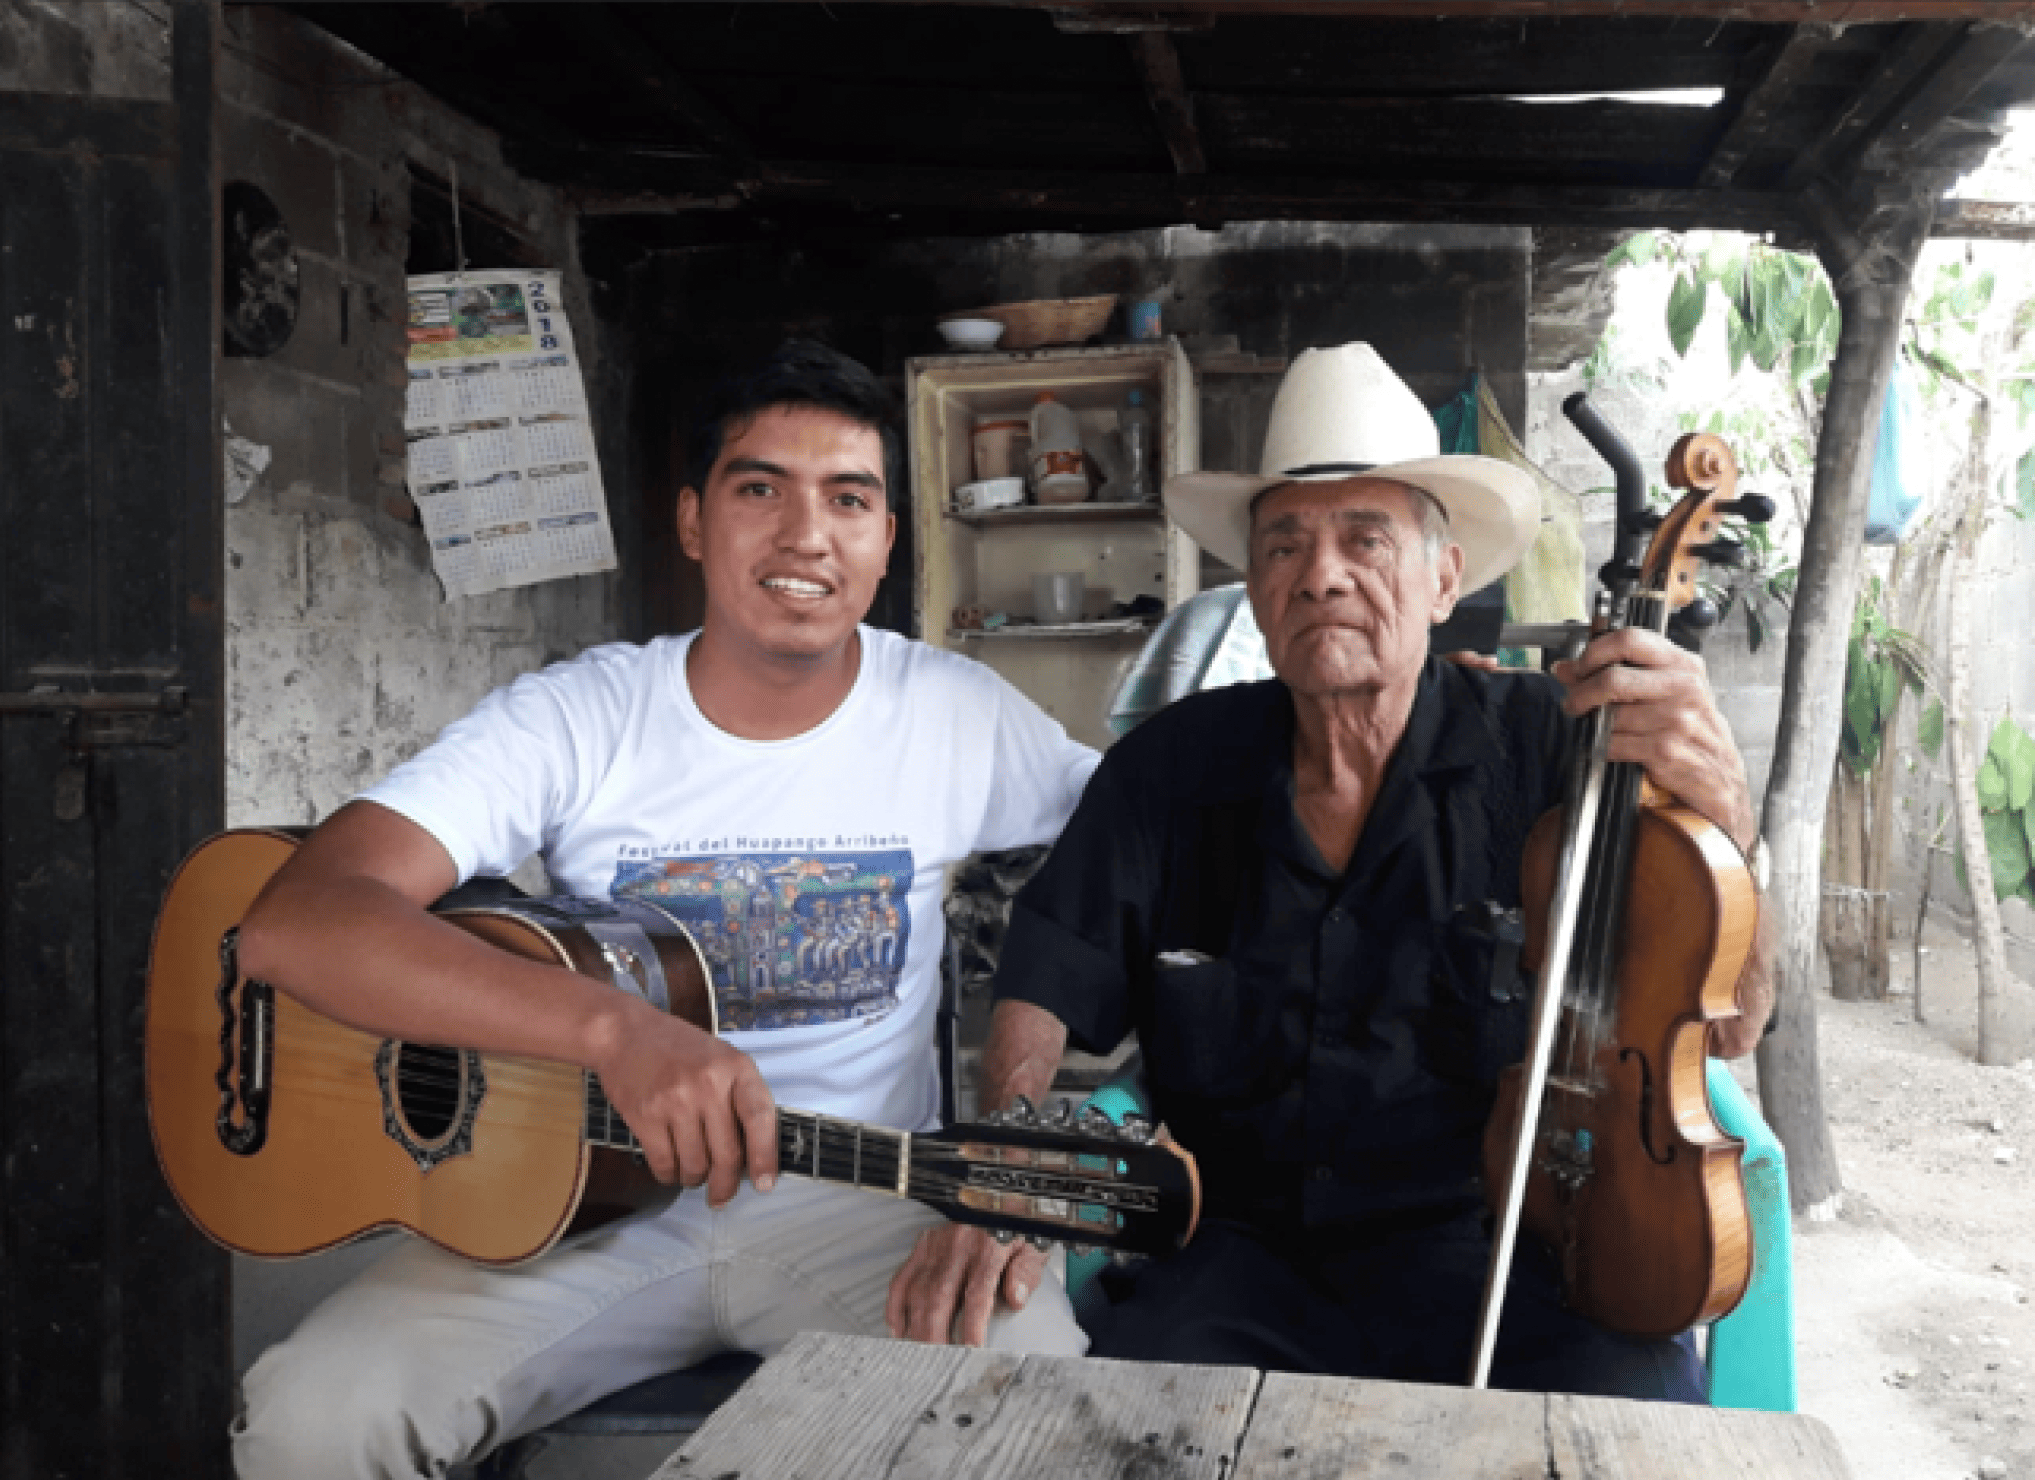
[1080, 1180]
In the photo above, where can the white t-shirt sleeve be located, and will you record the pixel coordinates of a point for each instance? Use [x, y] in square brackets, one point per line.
[494, 787]
[1037, 773]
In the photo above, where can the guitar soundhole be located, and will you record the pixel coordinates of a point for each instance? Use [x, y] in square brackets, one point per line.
[428, 1087]
[430, 1097]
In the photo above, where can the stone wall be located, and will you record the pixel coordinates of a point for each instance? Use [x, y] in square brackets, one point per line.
[342, 656]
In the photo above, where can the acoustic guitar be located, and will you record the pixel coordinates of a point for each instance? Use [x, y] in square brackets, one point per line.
[282, 1132]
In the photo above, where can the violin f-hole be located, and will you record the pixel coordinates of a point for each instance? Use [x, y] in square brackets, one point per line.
[1646, 1109]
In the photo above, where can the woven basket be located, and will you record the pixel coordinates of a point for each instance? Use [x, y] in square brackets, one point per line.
[1047, 321]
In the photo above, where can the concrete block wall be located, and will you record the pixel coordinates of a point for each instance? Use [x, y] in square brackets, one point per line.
[342, 656]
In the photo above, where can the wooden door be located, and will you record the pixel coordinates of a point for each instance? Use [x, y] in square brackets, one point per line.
[114, 1354]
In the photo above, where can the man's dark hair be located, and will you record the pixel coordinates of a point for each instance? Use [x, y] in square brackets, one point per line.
[798, 373]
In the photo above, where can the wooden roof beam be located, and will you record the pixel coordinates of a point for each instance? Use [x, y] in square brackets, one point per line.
[1158, 67]
[1985, 220]
[1789, 64]
[1151, 199]
[624, 40]
[1908, 59]
[1899, 139]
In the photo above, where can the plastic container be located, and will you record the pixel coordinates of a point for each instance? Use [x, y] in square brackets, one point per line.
[1057, 597]
[1134, 425]
[1000, 446]
[1058, 475]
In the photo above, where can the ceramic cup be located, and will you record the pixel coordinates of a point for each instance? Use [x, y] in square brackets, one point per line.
[1057, 596]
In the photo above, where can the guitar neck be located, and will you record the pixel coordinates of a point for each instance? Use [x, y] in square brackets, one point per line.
[810, 1145]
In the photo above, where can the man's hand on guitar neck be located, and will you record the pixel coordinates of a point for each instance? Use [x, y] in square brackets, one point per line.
[345, 927]
[948, 1288]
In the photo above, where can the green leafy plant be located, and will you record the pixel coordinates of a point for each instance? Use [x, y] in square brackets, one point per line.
[1780, 310]
[2006, 785]
[1880, 661]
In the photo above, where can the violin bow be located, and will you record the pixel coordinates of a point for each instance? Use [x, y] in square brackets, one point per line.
[1565, 908]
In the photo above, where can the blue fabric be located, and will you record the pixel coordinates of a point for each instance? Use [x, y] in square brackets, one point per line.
[1900, 470]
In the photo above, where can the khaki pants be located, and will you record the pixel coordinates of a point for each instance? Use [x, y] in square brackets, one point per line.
[426, 1361]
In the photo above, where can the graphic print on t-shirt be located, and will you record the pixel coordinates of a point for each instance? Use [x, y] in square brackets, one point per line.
[790, 938]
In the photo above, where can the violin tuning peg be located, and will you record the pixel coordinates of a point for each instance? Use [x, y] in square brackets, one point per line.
[1642, 524]
[1753, 508]
[1617, 573]
[1720, 552]
[1692, 624]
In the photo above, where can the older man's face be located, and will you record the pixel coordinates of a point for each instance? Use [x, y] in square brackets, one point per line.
[1342, 584]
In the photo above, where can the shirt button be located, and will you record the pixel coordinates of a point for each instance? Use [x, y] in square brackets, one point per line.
[1321, 1173]
[1338, 916]
[1328, 1040]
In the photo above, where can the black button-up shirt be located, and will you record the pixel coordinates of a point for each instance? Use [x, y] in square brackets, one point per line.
[1327, 1046]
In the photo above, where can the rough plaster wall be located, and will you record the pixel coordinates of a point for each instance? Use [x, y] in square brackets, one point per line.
[1747, 683]
[99, 48]
[342, 657]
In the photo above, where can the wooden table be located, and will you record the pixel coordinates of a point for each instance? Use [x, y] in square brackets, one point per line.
[853, 1408]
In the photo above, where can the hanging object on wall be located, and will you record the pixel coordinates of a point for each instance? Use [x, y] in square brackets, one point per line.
[501, 450]
[260, 302]
[1900, 464]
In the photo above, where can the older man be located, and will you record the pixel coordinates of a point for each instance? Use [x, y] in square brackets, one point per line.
[1287, 890]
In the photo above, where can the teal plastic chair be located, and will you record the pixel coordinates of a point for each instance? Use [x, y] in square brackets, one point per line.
[1751, 1352]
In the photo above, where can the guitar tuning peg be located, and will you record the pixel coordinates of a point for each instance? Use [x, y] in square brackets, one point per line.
[1002, 1235]
[1136, 1128]
[1063, 1113]
[1094, 1122]
[1039, 1242]
[1720, 552]
[1753, 508]
[1021, 1112]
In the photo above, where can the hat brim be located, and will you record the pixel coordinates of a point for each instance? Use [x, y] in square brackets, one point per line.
[1493, 508]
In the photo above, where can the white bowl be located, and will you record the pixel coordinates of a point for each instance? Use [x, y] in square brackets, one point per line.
[990, 493]
[970, 333]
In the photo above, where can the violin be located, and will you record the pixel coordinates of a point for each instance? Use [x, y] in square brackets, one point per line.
[1640, 914]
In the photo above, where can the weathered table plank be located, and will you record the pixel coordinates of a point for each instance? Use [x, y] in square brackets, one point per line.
[851, 1408]
[1609, 1436]
[834, 1407]
[1320, 1427]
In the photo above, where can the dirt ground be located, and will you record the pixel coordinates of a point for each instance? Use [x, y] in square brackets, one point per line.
[1915, 1331]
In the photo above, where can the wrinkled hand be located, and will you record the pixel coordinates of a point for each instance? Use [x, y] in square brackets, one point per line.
[1667, 721]
[699, 1108]
[955, 1270]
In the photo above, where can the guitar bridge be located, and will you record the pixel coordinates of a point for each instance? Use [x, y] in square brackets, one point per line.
[246, 1056]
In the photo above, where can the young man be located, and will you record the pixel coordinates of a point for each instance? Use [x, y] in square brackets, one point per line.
[778, 779]
[1285, 889]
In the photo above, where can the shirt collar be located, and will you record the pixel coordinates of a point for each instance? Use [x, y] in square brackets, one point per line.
[1429, 750]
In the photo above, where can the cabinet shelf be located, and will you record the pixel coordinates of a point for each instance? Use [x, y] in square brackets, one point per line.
[1105, 627]
[1057, 514]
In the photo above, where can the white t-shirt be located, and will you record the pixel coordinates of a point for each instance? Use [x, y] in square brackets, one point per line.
[809, 870]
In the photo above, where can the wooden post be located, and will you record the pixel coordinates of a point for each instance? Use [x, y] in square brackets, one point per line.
[1869, 249]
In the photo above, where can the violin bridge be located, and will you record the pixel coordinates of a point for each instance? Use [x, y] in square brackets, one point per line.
[1584, 1087]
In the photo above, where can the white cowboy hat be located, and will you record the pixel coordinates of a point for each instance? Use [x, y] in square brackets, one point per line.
[1342, 412]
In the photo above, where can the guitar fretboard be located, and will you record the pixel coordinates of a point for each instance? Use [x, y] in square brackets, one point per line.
[816, 1146]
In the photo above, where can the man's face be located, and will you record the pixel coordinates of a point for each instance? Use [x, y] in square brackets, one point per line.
[791, 531]
[1342, 585]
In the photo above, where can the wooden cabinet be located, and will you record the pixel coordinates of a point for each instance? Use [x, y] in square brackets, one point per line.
[987, 560]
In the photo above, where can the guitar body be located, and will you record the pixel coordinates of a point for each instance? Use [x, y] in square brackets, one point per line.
[282, 1132]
